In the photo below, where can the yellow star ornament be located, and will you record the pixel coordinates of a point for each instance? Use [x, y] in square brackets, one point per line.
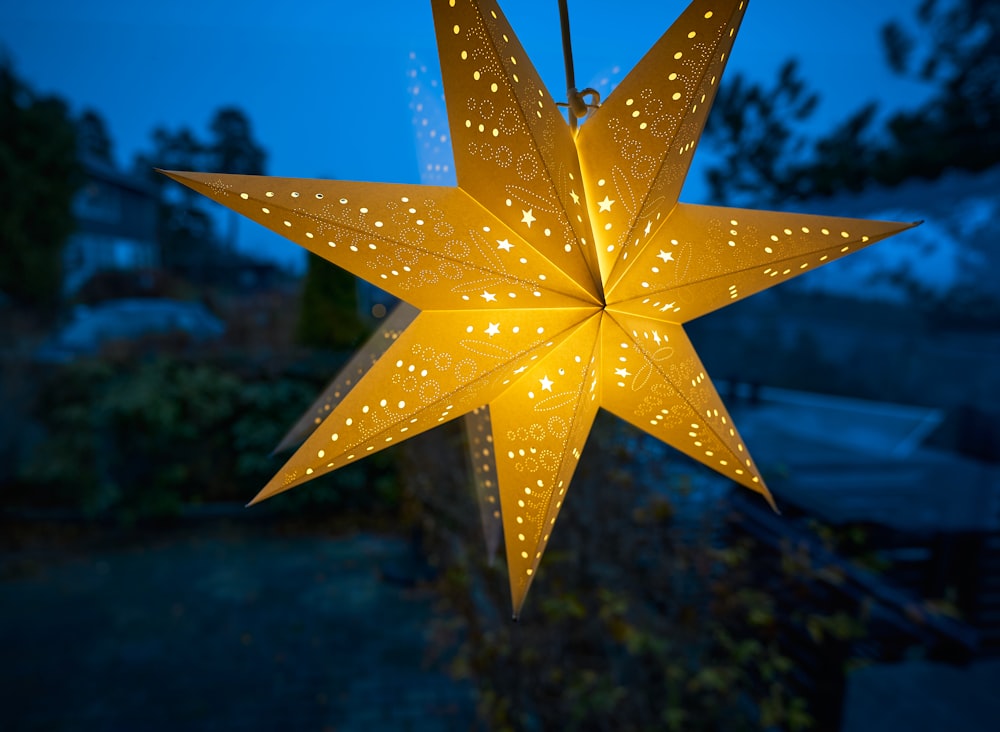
[554, 280]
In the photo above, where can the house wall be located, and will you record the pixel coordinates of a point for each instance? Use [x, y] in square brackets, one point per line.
[116, 219]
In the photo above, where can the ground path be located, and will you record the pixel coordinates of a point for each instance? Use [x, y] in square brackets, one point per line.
[216, 628]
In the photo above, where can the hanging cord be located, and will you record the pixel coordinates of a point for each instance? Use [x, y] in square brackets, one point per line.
[579, 107]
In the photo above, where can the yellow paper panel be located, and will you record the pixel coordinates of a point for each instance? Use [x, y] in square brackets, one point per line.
[444, 365]
[514, 152]
[636, 149]
[436, 248]
[379, 342]
[540, 425]
[706, 257]
[654, 379]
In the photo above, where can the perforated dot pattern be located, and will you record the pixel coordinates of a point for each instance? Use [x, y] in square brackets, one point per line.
[553, 281]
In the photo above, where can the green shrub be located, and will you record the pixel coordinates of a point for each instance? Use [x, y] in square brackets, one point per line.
[146, 438]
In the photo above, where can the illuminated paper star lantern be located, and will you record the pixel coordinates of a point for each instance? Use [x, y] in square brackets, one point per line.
[554, 280]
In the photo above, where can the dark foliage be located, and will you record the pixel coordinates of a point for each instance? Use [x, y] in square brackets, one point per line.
[38, 178]
[328, 314]
[93, 139]
[134, 439]
[189, 243]
[955, 48]
[647, 614]
[754, 131]
[960, 126]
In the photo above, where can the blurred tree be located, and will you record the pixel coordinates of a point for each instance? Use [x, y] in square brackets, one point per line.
[93, 140]
[328, 317]
[38, 177]
[752, 131]
[188, 242]
[956, 48]
[233, 150]
[844, 159]
[179, 150]
[958, 51]
[190, 245]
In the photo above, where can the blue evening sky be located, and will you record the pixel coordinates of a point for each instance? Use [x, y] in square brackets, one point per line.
[324, 83]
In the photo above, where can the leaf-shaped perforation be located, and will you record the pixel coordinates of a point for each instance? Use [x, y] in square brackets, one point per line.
[514, 151]
[636, 149]
[423, 244]
[654, 379]
[437, 370]
[540, 425]
[706, 257]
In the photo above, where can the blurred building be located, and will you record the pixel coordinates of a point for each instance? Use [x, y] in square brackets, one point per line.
[116, 223]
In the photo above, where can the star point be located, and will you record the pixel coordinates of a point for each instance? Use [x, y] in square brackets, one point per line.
[594, 314]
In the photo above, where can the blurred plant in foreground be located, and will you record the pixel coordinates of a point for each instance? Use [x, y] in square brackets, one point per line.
[649, 613]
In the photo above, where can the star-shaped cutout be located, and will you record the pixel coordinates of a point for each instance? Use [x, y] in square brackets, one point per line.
[666, 256]
[574, 303]
[504, 244]
[489, 296]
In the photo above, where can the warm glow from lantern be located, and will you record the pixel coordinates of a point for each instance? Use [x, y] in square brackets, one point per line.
[553, 281]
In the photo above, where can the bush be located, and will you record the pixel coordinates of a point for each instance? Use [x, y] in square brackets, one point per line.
[142, 439]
